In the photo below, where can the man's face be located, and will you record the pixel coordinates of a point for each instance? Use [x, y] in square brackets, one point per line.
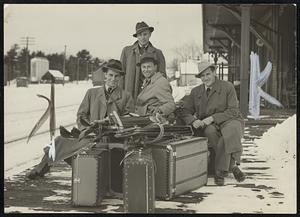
[144, 37]
[112, 78]
[208, 77]
[148, 69]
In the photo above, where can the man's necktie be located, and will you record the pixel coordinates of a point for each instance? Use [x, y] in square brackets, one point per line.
[207, 91]
[108, 92]
[143, 49]
[146, 83]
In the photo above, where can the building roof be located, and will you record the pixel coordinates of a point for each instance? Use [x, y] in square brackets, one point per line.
[56, 73]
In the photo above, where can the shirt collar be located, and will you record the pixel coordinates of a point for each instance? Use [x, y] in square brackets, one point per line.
[106, 87]
[145, 46]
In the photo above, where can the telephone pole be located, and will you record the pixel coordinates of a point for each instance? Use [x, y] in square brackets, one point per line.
[64, 66]
[27, 41]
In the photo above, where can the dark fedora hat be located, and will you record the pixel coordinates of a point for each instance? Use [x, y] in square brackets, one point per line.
[114, 65]
[147, 57]
[140, 27]
[203, 66]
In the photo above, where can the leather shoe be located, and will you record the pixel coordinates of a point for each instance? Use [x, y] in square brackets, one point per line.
[35, 173]
[219, 180]
[238, 174]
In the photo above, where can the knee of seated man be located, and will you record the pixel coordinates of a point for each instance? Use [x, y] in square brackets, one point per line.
[210, 130]
[232, 128]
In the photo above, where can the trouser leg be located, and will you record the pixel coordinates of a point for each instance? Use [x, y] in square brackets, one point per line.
[64, 150]
[213, 137]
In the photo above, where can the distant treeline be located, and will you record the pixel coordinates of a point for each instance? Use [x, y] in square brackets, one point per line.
[15, 63]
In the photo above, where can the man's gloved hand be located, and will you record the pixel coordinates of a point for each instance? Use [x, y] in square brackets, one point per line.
[198, 123]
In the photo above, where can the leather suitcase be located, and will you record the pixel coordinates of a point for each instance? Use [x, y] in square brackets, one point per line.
[89, 177]
[139, 184]
[181, 166]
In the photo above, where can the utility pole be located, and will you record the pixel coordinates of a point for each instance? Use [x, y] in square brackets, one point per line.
[64, 66]
[27, 41]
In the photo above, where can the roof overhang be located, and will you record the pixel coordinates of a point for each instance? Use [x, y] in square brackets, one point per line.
[222, 26]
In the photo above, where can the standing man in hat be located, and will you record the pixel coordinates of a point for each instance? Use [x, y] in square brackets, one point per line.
[156, 94]
[131, 56]
[213, 111]
[97, 104]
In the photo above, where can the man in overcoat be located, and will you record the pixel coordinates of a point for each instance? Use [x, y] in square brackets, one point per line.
[97, 104]
[156, 94]
[213, 111]
[130, 56]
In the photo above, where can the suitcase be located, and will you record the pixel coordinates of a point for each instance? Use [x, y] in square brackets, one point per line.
[181, 166]
[89, 177]
[139, 186]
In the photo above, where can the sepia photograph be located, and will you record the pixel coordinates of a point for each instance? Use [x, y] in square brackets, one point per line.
[150, 108]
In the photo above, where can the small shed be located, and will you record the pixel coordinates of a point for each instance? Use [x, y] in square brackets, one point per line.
[55, 75]
[22, 81]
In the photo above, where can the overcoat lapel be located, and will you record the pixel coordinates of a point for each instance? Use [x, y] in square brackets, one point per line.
[100, 102]
[202, 106]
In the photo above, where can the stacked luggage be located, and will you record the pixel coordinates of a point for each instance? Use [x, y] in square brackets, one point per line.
[140, 164]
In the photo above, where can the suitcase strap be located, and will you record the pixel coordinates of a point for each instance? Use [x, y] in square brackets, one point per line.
[159, 136]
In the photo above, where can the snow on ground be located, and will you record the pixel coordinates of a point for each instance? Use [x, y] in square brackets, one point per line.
[278, 147]
[22, 107]
[22, 110]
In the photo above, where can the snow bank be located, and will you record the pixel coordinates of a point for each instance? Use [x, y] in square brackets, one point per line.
[278, 147]
[279, 142]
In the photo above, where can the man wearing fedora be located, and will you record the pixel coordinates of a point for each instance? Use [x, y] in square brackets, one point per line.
[213, 111]
[130, 56]
[97, 104]
[156, 94]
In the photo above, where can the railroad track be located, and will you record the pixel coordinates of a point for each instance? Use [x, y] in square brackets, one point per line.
[37, 134]
[59, 109]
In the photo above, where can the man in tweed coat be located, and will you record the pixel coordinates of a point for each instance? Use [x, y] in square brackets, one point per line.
[130, 57]
[213, 111]
[97, 104]
[156, 94]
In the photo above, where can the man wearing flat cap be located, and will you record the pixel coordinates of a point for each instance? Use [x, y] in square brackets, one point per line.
[213, 111]
[156, 94]
[97, 104]
[131, 55]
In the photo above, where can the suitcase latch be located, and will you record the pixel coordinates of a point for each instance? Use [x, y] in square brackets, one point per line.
[77, 180]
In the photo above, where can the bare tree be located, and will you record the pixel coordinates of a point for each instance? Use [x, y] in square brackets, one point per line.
[190, 50]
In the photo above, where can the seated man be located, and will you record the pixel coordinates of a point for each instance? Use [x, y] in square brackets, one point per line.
[156, 94]
[213, 111]
[96, 105]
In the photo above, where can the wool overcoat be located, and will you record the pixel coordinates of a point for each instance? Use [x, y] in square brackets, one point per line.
[130, 56]
[156, 95]
[222, 105]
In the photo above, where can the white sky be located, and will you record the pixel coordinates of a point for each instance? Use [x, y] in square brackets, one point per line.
[101, 29]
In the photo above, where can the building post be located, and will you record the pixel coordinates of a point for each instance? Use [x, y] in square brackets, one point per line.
[245, 59]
